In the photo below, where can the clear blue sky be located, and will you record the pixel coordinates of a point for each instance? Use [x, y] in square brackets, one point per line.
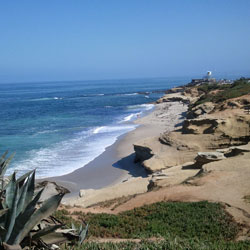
[103, 39]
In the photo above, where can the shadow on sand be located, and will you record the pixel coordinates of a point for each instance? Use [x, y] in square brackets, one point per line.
[134, 169]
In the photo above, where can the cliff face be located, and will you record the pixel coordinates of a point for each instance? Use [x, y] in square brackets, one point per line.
[212, 128]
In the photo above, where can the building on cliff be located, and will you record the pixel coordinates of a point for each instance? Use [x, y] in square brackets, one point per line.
[206, 79]
[201, 81]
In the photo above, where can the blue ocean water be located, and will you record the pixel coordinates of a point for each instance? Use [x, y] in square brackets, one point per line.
[57, 127]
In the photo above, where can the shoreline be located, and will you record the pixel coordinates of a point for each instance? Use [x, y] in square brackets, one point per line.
[116, 164]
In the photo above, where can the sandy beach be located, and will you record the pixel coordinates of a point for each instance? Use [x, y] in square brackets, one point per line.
[116, 163]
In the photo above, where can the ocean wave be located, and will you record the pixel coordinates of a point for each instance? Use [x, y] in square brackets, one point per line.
[141, 107]
[88, 96]
[111, 129]
[131, 117]
[66, 156]
[131, 94]
[46, 99]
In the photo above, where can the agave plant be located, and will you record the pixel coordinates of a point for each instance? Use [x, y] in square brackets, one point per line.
[19, 208]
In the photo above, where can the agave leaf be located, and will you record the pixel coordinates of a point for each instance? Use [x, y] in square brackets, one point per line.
[3, 211]
[10, 191]
[5, 163]
[2, 232]
[73, 226]
[31, 188]
[22, 179]
[46, 230]
[84, 233]
[47, 208]
[11, 215]
[2, 159]
[22, 198]
[22, 218]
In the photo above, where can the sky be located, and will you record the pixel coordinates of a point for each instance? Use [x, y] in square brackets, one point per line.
[49, 40]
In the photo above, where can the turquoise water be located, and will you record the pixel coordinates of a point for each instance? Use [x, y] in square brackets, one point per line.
[58, 127]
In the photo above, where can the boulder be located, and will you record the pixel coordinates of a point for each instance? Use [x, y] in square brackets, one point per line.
[234, 151]
[206, 157]
[204, 108]
[235, 129]
[50, 189]
[199, 126]
[154, 164]
[142, 152]
[174, 97]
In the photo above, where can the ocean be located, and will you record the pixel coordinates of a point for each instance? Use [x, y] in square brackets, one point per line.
[58, 127]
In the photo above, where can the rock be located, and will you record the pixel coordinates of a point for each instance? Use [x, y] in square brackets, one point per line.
[90, 197]
[231, 131]
[168, 139]
[154, 164]
[204, 108]
[199, 126]
[142, 152]
[175, 90]
[174, 97]
[171, 176]
[234, 151]
[50, 189]
[206, 157]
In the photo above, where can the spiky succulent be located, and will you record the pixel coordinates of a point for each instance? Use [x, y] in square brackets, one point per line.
[19, 208]
[21, 211]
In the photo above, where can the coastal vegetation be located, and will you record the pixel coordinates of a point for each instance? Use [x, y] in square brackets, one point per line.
[22, 211]
[167, 244]
[161, 225]
[220, 92]
[170, 225]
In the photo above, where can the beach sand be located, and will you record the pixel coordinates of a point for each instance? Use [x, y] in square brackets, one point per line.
[116, 163]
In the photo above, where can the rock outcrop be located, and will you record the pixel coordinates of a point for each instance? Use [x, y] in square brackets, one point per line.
[50, 189]
[175, 97]
[229, 131]
[88, 197]
[197, 135]
[171, 176]
[202, 109]
[142, 152]
[206, 157]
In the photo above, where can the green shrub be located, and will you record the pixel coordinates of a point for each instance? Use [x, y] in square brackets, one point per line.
[239, 88]
[168, 244]
[203, 220]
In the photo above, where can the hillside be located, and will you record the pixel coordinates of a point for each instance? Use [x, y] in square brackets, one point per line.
[205, 157]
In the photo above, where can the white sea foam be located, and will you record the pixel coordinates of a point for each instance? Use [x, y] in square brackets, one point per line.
[46, 99]
[131, 94]
[141, 106]
[131, 117]
[67, 156]
[111, 129]
[97, 130]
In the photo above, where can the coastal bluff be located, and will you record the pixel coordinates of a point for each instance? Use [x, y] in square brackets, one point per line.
[192, 150]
